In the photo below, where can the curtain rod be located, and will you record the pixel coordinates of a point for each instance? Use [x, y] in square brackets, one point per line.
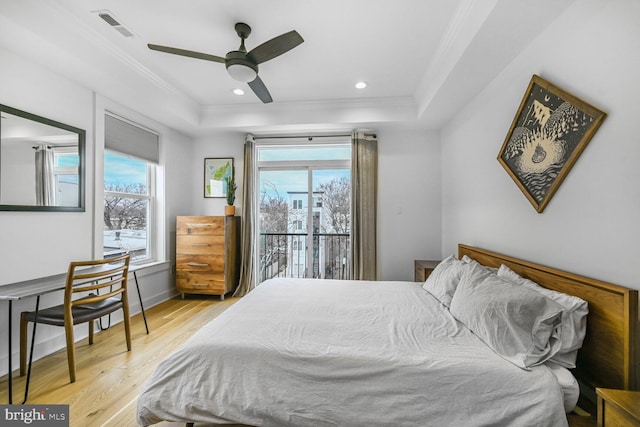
[301, 136]
[54, 146]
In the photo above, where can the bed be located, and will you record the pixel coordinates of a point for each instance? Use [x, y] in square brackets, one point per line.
[305, 352]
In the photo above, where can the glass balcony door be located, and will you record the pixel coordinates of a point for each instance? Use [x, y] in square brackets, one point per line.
[304, 219]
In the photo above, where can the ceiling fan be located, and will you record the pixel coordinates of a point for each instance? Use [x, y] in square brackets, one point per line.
[242, 65]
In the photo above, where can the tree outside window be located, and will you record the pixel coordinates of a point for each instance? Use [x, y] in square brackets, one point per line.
[127, 206]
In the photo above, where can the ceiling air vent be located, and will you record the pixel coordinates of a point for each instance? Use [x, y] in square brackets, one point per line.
[108, 17]
[124, 31]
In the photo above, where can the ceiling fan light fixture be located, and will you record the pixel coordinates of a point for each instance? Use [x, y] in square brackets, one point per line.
[242, 72]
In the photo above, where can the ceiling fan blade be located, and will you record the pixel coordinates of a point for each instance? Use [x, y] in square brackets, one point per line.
[275, 47]
[183, 52]
[258, 87]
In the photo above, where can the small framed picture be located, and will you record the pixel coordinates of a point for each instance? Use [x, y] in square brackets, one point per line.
[215, 171]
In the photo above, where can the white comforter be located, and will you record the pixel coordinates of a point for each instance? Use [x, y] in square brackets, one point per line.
[304, 352]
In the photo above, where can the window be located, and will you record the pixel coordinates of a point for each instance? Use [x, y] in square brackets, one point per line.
[130, 220]
[297, 204]
[128, 203]
[66, 176]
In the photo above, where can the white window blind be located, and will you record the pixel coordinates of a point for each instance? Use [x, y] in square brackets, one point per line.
[126, 138]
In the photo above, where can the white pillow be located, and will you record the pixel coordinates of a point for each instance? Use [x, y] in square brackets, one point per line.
[443, 280]
[574, 317]
[568, 384]
[468, 260]
[520, 325]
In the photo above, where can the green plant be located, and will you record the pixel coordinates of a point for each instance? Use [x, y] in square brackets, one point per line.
[231, 189]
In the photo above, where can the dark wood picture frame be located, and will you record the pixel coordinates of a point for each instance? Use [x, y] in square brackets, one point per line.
[215, 170]
[549, 132]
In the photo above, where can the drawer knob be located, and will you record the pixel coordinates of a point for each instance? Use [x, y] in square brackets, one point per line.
[197, 264]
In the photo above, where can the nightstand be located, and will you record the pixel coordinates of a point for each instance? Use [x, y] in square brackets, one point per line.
[618, 408]
[423, 268]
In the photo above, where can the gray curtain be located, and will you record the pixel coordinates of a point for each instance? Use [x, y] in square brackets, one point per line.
[247, 271]
[45, 185]
[364, 182]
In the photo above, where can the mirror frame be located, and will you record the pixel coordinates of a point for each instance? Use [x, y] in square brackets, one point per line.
[81, 163]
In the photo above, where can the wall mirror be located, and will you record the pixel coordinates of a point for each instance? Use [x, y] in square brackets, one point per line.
[42, 163]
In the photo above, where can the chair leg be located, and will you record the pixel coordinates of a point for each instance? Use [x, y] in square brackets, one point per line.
[71, 350]
[91, 327]
[127, 324]
[23, 343]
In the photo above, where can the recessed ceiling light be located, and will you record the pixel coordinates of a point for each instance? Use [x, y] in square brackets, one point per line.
[361, 85]
[238, 91]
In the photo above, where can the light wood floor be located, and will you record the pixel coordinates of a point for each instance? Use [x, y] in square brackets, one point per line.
[108, 377]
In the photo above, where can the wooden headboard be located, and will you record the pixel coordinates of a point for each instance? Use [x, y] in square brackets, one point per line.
[609, 355]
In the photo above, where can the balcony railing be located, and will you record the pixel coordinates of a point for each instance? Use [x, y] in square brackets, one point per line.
[287, 255]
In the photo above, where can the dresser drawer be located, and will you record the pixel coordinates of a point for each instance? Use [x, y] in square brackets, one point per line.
[615, 417]
[203, 263]
[199, 245]
[202, 283]
[211, 225]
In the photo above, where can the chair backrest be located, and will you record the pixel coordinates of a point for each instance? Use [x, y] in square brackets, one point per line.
[103, 278]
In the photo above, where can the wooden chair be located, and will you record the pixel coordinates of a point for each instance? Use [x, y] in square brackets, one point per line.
[106, 282]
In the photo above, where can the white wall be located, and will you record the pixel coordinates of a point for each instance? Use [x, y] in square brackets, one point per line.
[409, 222]
[36, 244]
[591, 224]
[18, 170]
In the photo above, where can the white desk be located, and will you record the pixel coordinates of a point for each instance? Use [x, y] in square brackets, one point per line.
[41, 286]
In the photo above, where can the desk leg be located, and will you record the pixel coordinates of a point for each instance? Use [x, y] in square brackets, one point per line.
[144, 316]
[33, 344]
[10, 373]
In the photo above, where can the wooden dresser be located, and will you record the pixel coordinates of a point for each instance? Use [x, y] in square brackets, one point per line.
[207, 254]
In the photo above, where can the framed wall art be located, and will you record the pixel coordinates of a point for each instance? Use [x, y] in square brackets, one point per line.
[215, 170]
[549, 132]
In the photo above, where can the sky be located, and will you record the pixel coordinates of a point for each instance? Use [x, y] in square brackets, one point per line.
[285, 181]
[120, 169]
[297, 180]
